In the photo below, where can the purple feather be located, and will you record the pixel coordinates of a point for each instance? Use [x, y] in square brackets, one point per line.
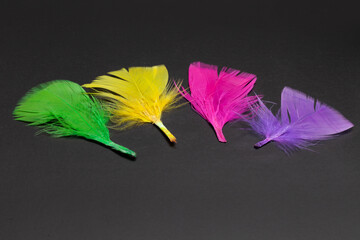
[300, 122]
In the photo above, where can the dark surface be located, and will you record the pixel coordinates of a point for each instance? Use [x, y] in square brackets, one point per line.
[199, 189]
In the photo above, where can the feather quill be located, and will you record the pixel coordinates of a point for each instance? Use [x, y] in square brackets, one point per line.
[300, 122]
[137, 96]
[219, 98]
[62, 108]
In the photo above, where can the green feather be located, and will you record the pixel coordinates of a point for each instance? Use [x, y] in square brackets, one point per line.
[62, 108]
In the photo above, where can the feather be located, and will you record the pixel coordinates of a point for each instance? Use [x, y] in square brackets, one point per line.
[219, 98]
[300, 122]
[137, 96]
[62, 108]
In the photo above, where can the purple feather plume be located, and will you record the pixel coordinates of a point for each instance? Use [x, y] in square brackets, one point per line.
[300, 122]
[219, 98]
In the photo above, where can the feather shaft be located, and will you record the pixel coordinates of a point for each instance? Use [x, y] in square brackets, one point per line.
[220, 134]
[262, 143]
[166, 131]
[120, 148]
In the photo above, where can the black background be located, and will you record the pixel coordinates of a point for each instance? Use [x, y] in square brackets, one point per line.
[199, 189]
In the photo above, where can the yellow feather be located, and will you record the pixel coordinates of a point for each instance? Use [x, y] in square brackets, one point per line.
[137, 96]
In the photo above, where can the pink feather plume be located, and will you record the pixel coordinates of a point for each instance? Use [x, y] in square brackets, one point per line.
[219, 98]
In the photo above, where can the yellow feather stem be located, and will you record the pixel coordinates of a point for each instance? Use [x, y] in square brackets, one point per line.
[166, 131]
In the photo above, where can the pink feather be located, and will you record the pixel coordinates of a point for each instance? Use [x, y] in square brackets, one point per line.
[219, 98]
